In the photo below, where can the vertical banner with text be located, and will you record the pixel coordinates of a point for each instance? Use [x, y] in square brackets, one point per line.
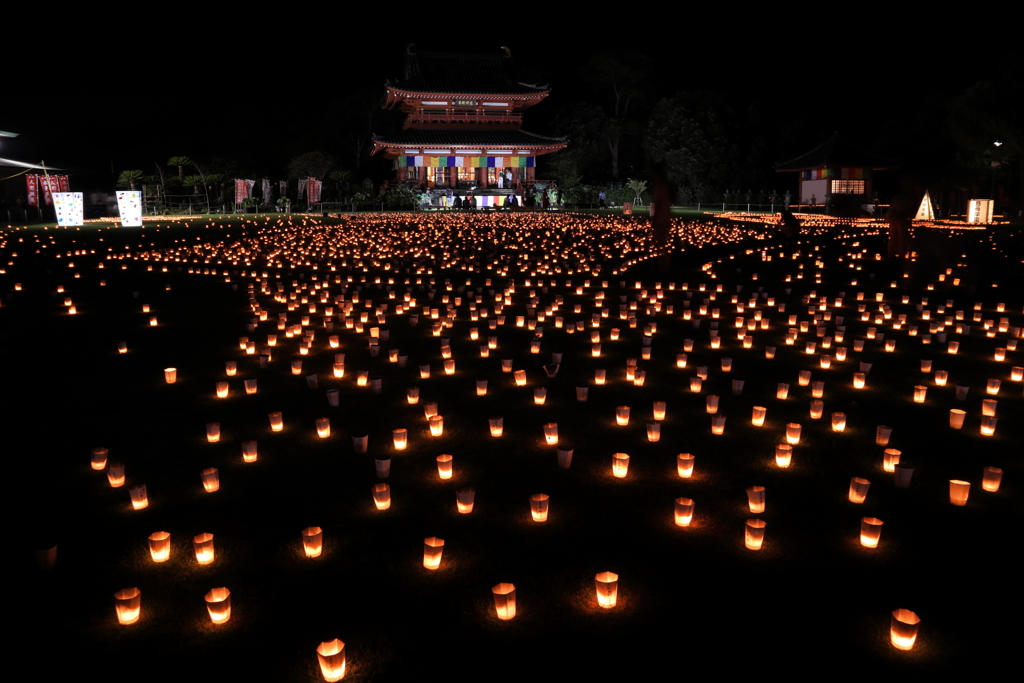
[32, 189]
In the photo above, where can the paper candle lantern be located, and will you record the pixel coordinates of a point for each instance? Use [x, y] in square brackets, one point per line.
[620, 465]
[170, 375]
[718, 424]
[128, 605]
[203, 546]
[313, 541]
[793, 433]
[464, 499]
[140, 499]
[607, 585]
[551, 433]
[539, 507]
[540, 395]
[115, 475]
[711, 403]
[754, 534]
[958, 491]
[98, 459]
[520, 378]
[436, 423]
[505, 600]
[250, 386]
[653, 431]
[684, 511]
[956, 418]
[903, 629]
[757, 416]
[991, 478]
[323, 427]
[882, 434]
[858, 490]
[783, 455]
[684, 465]
[622, 415]
[218, 604]
[481, 387]
[276, 422]
[838, 422]
[248, 451]
[444, 466]
[870, 531]
[988, 426]
[222, 389]
[782, 392]
[211, 479]
[331, 655]
[400, 437]
[858, 380]
[755, 499]
[160, 546]
[432, 550]
[382, 496]
[497, 425]
[890, 458]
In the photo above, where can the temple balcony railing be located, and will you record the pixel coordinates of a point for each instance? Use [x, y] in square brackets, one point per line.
[463, 118]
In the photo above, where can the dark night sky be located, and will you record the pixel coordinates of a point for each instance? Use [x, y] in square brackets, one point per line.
[118, 104]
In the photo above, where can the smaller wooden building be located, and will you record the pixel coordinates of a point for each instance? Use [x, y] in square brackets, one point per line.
[835, 168]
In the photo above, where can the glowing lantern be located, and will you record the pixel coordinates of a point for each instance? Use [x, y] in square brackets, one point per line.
[276, 422]
[858, 490]
[695, 383]
[754, 534]
[170, 375]
[958, 491]
[793, 433]
[607, 584]
[449, 366]
[551, 433]
[481, 387]
[497, 425]
[684, 511]
[323, 427]
[250, 386]
[858, 380]
[1017, 374]
[338, 369]
[203, 546]
[400, 437]
[622, 415]
[882, 434]
[436, 425]
[838, 422]
[464, 499]
[919, 393]
[520, 378]
[988, 426]
[956, 418]
[952, 347]
[620, 465]
[432, 549]
[769, 352]
[213, 432]
[757, 417]
[992, 387]
[870, 531]
[140, 499]
[711, 404]
[539, 507]
[115, 475]
[128, 605]
[296, 367]
[804, 378]
[382, 496]
[890, 458]
[540, 395]
[505, 600]
[362, 378]
[684, 465]
[659, 410]
[988, 407]
[755, 499]
[222, 389]
[98, 459]
[331, 656]
[313, 541]
[653, 432]
[122, 347]
[991, 478]
[903, 629]
[826, 361]
[718, 425]
[783, 455]
[444, 466]
[218, 604]
[782, 392]
[160, 546]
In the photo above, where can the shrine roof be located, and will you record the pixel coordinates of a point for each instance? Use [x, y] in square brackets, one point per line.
[441, 72]
[476, 138]
[836, 152]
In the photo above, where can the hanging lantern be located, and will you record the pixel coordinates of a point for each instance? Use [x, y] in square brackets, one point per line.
[551, 433]
[903, 629]
[160, 546]
[140, 499]
[958, 491]
[331, 656]
[170, 375]
[128, 605]
[203, 546]
[432, 550]
[991, 479]
[754, 534]
[684, 511]
[382, 496]
[620, 465]
[505, 600]
[313, 541]
[607, 584]
[684, 465]
[539, 507]
[870, 531]
[444, 466]
[858, 490]
[464, 499]
[783, 455]
[793, 433]
[755, 499]
[497, 425]
[218, 604]
[211, 479]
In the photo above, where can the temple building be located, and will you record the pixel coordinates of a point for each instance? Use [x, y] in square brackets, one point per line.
[463, 124]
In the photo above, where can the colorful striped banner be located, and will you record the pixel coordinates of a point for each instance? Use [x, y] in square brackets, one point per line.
[465, 162]
[838, 173]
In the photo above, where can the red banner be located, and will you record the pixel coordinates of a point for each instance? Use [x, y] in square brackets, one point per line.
[48, 183]
[32, 189]
[240, 191]
[64, 185]
[313, 190]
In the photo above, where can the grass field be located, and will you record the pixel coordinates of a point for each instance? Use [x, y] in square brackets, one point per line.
[692, 601]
